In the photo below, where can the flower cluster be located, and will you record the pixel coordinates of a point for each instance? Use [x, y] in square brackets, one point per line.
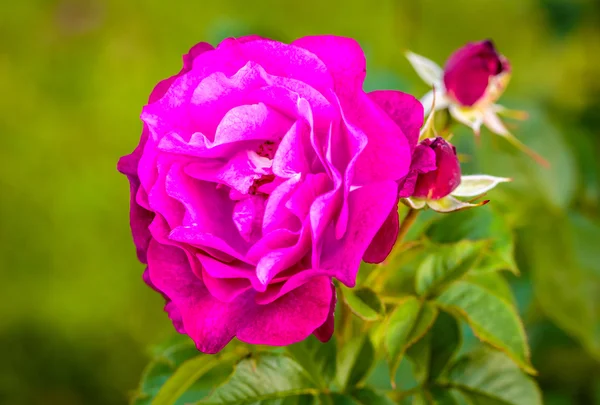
[264, 171]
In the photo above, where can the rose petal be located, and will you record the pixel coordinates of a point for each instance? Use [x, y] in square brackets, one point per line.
[212, 323]
[343, 57]
[406, 111]
[369, 207]
[385, 239]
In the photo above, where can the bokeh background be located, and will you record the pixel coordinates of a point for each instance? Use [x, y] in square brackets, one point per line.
[76, 321]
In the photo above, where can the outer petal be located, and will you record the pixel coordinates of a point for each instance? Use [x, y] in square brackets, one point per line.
[291, 318]
[406, 111]
[212, 323]
[343, 57]
[325, 331]
[385, 239]
[139, 217]
[369, 207]
[387, 154]
[188, 60]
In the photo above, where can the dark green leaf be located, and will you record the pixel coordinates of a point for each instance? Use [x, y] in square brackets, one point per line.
[166, 360]
[318, 359]
[446, 264]
[368, 396]
[443, 396]
[477, 225]
[492, 319]
[265, 379]
[430, 355]
[188, 373]
[364, 303]
[355, 361]
[445, 342]
[494, 283]
[406, 325]
[566, 274]
[491, 378]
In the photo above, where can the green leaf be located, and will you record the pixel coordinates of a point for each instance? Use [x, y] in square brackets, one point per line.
[188, 373]
[492, 319]
[263, 380]
[445, 342]
[318, 359]
[166, 361]
[355, 361]
[406, 325]
[566, 274]
[488, 377]
[369, 396]
[478, 225]
[364, 303]
[446, 264]
[494, 283]
[430, 355]
[443, 396]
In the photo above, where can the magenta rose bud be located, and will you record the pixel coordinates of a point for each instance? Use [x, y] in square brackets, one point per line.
[468, 71]
[435, 170]
[264, 171]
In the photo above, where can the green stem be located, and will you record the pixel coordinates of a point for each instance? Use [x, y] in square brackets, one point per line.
[407, 222]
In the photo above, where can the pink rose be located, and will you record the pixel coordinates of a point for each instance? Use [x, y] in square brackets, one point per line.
[263, 171]
[435, 170]
[468, 71]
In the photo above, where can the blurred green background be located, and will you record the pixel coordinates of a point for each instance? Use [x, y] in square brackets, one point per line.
[76, 320]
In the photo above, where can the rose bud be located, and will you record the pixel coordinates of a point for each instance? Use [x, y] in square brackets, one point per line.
[468, 71]
[263, 172]
[434, 172]
[468, 87]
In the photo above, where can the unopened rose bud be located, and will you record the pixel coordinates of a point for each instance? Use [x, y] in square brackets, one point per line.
[470, 69]
[441, 181]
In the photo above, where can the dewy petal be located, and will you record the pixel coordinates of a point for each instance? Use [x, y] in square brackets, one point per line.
[406, 111]
[369, 207]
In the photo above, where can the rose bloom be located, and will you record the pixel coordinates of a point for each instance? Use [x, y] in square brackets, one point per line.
[471, 69]
[263, 171]
[434, 172]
